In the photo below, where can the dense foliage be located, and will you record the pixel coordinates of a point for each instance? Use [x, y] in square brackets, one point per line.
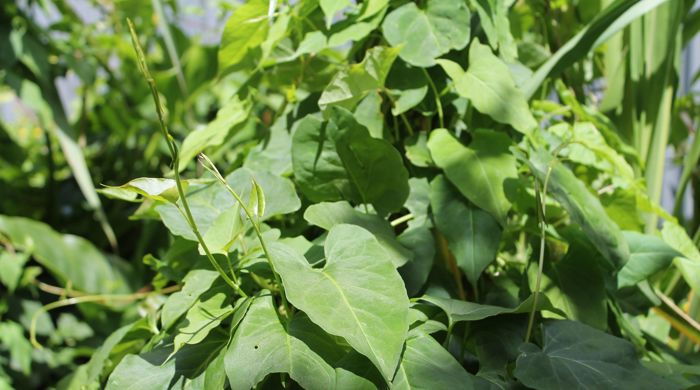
[439, 194]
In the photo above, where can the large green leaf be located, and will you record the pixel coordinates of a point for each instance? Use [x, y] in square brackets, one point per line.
[478, 170]
[245, 30]
[261, 346]
[351, 85]
[488, 84]
[648, 255]
[70, 259]
[339, 159]
[583, 207]
[425, 364]
[357, 295]
[426, 34]
[327, 215]
[472, 234]
[576, 356]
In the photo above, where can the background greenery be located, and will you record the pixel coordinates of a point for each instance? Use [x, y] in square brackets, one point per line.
[431, 194]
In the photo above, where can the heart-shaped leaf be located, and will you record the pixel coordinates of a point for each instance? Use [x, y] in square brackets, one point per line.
[357, 295]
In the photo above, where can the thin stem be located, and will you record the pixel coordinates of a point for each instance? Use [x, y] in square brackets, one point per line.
[172, 146]
[438, 103]
[209, 165]
[100, 298]
[540, 199]
[402, 219]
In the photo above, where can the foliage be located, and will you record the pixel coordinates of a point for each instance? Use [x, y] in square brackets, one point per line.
[377, 194]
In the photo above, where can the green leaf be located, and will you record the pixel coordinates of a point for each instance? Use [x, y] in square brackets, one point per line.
[245, 30]
[206, 314]
[689, 265]
[425, 364]
[577, 356]
[163, 190]
[583, 207]
[153, 370]
[376, 170]
[581, 295]
[351, 85]
[472, 234]
[318, 170]
[195, 284]
[339, 159]
[20, 350]
[275, 155]
[357, 295]
[261, 346]
[12, 266]
[648, 255]
[488, 85]
[327, 215]
[407, 85]
[234, 112]
[332, 7]
[69, 258]
[493, 15]
[478, 170]
[270, 194]
[459, 311]
[424, 35]
[416, 270]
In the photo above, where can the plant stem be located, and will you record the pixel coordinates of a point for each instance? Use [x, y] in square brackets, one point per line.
[99, 298]
[209, 165]
[401, 219]
[172, 146]
[438, 103]
[540, 199]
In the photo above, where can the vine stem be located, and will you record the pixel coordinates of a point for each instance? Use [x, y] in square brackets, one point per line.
[209, 165]
[438, 103]
[541, 196]
[81, 298]
[172, 146]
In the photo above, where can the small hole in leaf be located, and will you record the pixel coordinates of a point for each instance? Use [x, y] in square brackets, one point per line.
[256, 347]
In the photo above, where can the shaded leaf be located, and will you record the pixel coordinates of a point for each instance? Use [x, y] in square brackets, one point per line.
[472, 234]
[577, 356]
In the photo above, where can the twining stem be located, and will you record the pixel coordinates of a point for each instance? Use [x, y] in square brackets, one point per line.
[451, 264]
[80, 298]
[541, 196]
[438, 103]
[209, 165]
[172, 146]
